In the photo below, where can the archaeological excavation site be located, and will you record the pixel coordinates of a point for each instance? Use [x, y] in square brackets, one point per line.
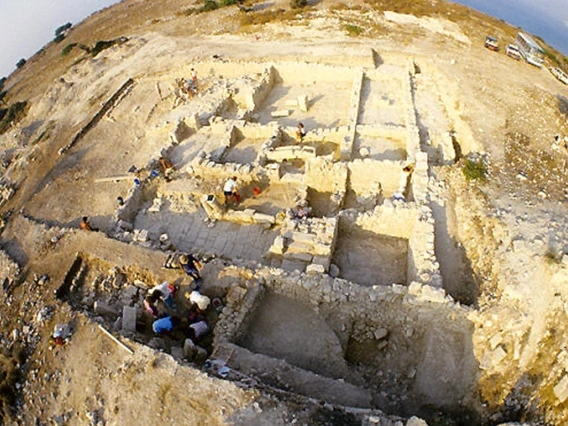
[378, 227]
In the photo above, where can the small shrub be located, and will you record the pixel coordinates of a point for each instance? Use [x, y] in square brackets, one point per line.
[14, 114]
[261, 18]
[20, 63]
[2, 82]
[100, 46]
[298, 4]
[3, 94]
[58, 38]
[226, 3]
[65, 51]
[353, 30]
[208, 6]
[474, 170]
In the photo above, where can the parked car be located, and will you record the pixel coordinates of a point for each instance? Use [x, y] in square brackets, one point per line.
[513, 52]
[492, 43]
[559, 74]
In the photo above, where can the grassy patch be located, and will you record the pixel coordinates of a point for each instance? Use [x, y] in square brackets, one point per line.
[65, 51]
[208, 6]
[298, 4]
[13, 114]
[353, 30]
[261, 18]
[475, 170]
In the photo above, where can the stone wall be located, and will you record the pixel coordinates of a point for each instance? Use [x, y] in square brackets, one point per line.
[401, 320]
[325, 176]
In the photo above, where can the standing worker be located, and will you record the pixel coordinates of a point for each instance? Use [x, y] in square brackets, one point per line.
[231, 191]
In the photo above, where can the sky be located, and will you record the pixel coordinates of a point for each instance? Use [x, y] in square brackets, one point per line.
[27, 25]
[547, 19]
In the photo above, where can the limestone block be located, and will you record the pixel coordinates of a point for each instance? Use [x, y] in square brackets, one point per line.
[303, 103]
[415, 421]
[280, 113]
[129, 318]
[142, 235]
[495, 341]
[278, 245]
[300, 236]
[315, 269]
[304, 257]
[561, 389]
[322, 260]
[381, 333]
[293, 103]
[263, 218]
[211, 206]
[321, 249]
[156, 205]
[299, 247]
[236, 294]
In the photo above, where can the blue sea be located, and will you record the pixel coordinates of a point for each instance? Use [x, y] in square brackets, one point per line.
[543, 18]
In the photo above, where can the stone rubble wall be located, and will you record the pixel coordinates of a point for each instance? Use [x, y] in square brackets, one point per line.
[412, 131]
[311, 240]
[325, 176]
[346, 147]
[257, 93]
[404, 220]
[399, 317]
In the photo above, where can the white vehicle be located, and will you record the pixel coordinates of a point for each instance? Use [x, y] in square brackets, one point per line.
[513, 52]
[559, 74]
[530, 50]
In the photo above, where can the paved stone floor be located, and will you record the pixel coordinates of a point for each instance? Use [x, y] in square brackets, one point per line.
[188, 232]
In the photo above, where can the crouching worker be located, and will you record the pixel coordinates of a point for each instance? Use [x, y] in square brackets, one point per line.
[165, 325]
[165, 292]
[198, 301]
[198, 329]
[191, 266]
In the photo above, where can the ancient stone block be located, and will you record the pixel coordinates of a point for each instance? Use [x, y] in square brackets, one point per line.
[381, 333]
[561, 389]
[298, 247]
[303, 103]
[315, 269]
[129, 318]
[280, 113]
[263, 218]
[278, 245]
[236, 294]
[304, 257]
